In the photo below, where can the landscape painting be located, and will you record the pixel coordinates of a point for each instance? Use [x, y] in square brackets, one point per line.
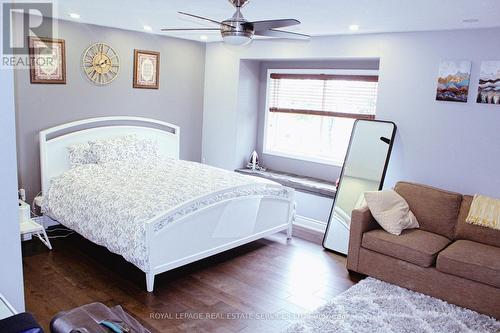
[453, 81]
[489, 83]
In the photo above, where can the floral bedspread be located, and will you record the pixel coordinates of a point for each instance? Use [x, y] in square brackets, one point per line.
[109, 203]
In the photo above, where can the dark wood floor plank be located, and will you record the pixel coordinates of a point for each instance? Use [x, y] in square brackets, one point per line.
[302, 278]
[271, 276]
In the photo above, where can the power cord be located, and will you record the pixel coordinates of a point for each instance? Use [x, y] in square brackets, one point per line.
[70, 232]
[61, 236]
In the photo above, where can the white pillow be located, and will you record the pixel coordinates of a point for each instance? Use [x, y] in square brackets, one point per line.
[128, 147]
[79, 154]
[391, 211]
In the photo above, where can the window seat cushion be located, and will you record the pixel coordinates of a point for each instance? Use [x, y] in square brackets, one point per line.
[302, 183]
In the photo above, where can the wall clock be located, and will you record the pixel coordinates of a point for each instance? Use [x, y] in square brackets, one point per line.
[100, 63]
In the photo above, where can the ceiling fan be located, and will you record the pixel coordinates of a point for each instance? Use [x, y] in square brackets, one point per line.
[239, 31]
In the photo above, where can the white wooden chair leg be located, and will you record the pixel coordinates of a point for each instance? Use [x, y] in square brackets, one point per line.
[150, 281]
[44, 239]
[49, 245]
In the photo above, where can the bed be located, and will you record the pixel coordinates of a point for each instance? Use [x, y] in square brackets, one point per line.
[157, 211]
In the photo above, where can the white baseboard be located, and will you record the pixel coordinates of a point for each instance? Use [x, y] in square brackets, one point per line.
[311, 224]
[25, 237]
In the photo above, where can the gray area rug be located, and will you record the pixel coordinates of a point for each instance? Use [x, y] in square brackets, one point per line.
[374, 306]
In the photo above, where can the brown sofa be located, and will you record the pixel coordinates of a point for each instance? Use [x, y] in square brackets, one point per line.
[446, 257]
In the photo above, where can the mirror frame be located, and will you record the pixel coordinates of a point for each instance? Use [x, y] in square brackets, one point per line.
[382, 179]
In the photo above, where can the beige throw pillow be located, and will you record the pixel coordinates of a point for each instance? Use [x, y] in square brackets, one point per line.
[391, 211]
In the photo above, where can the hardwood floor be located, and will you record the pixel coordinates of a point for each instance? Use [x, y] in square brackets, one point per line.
[230, 292]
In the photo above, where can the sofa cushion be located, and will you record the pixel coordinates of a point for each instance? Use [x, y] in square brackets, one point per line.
[473, 232]
[436, 210]
[471, 260]
[415, 246]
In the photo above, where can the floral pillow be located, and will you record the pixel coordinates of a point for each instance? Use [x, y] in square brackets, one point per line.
[147, 148]
[123, 148]
[80, 153]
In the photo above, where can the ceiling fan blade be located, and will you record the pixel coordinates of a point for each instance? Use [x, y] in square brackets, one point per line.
[190, 29]
[282, 34]
[205, 18]
[272, 24]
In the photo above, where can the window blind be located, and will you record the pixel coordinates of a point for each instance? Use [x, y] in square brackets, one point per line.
[349, 96]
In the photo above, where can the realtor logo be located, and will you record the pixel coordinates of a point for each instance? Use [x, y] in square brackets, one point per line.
[21, 20]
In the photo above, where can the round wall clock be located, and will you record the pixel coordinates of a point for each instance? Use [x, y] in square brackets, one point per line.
[100, 63]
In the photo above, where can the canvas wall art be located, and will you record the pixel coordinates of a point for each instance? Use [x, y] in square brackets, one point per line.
[489, 83]
[453, 81]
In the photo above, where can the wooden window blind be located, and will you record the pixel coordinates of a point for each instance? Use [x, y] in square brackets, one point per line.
[347, 96]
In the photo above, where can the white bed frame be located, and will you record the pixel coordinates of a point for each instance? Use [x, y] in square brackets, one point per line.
[210, 230]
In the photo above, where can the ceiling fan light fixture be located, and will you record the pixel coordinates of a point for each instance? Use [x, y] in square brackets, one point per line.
[237, 40]
[238, 31]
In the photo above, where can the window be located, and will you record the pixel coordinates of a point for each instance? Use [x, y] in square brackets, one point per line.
[310, 116]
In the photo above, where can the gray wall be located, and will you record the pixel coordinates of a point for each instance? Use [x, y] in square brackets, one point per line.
[11, 273]
[179, 99]
[247, 115]
[301, 167]
[445, 144]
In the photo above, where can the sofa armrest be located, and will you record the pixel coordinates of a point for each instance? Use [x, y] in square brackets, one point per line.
[361, 222]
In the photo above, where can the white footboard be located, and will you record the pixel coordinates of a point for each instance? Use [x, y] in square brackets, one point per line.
[214, 229]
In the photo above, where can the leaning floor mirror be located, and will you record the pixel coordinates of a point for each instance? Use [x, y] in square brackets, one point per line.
[363, 170]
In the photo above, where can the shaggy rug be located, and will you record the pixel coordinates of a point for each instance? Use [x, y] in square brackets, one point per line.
[374, 306]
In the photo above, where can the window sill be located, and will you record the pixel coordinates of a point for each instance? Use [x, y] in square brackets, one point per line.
[306, 184]
[304, 159]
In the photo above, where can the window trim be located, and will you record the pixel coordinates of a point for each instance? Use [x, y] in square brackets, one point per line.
[323, 76]
[324, 113]
[315, 72]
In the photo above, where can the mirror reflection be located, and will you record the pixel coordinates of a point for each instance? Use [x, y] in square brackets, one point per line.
[363, 170]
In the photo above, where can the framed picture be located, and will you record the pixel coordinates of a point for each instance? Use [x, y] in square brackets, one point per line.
[489, 83]
[47, 60]
[453, 81]
[146, 69]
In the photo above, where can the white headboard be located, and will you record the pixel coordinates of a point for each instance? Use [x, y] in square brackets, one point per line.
[54, 141]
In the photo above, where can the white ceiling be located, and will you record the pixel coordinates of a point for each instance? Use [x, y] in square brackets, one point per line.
[318, 17]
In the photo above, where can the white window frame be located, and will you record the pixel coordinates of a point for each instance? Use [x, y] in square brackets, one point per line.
[300, 157]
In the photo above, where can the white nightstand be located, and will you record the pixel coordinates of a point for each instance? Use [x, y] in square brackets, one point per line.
[30, 227]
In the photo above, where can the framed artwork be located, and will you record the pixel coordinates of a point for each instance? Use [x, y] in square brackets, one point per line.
[146, 69]
[47, 60]
[489, 83]
[453, 81]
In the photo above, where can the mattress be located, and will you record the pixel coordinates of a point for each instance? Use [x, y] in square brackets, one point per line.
[110, 203]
